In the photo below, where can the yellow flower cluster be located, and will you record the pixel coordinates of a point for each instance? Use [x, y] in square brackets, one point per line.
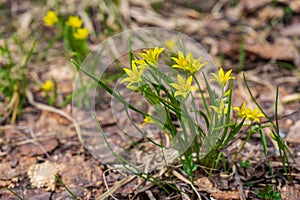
[187, 63]
[80, 33]
[222, 79]
[76, 22]
[50, 18]
[150, 57]
[250, 114]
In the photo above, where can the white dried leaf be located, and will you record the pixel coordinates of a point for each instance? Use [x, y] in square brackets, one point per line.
[43, 175]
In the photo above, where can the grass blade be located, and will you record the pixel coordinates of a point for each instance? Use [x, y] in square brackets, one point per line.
[68, 190]
[14, 193]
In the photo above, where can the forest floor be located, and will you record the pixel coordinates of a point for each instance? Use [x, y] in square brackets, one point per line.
[258, 38]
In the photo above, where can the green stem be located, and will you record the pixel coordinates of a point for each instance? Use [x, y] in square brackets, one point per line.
[244, 143]
[109, 90]
[228, 112]
[202, 97]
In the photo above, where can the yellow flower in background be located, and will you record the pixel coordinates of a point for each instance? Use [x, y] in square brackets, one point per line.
[141, 64]
[74, 21]
[222, 78]
[148, 119]
[50, 18]
[47, 86]
[221, 110]
[81, 34]
[183, 87]
[170, 44]
[188, 63]
[134, 76]
[151, 55]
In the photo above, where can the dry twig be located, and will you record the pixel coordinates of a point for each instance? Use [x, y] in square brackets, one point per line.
[116, 186]
[48, 108]
[179, 176]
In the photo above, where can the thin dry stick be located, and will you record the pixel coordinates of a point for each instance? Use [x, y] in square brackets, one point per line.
[49, 135]
[48, 108]
[116, 186]
[240, 185]
[105, 183]
[223, 175]
[6, 127]
[178, 175]
[150, 195]
[184, 195]
[148, 186]
[33, 140]
[16, 104]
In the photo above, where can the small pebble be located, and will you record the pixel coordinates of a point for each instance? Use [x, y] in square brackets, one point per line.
[289, 122]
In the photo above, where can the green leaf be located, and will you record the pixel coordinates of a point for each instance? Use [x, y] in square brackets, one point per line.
[68, 190]
[14, 193]
[264, 142]
[228, 112]
[203, 116]
[245, 164]
[233, 132]
[268, 193]
[211, 93]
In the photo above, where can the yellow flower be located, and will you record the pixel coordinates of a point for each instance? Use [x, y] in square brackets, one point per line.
[81, 34]
[50, 18]
[222, 78]
[134, 76]
[74, 21]
[183, 87]
[227, 93]
[252, 115]
[47, 86]
[148, 119]
[221, 110]
[273, 136]
[170, 44]
[151, 55]
[141, 63]
[188, 63]
[243, 111]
